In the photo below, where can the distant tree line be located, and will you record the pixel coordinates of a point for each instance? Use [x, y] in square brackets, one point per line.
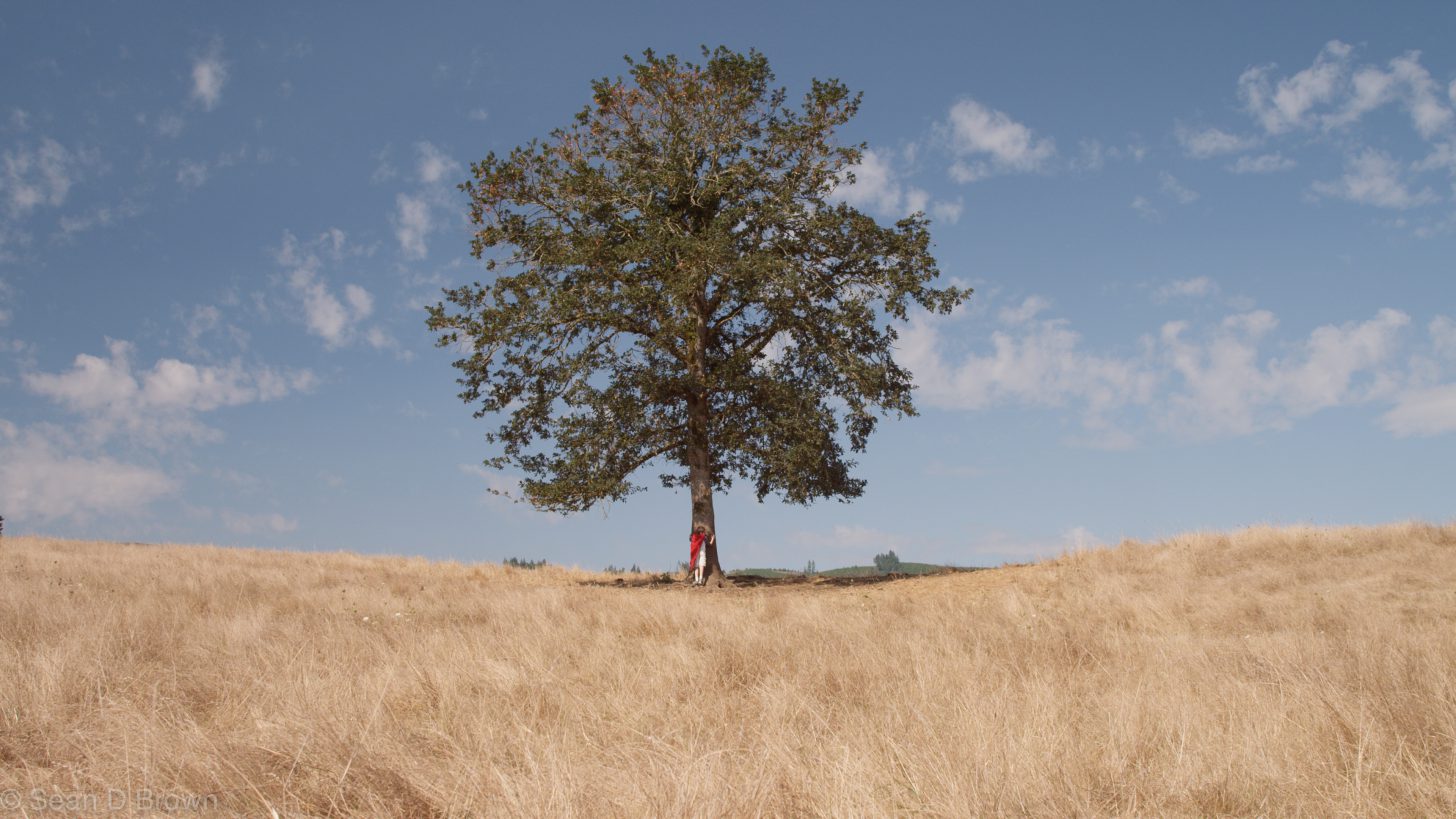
[517, 563]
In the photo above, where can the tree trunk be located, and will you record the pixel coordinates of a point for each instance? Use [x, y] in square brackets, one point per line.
[700, 482]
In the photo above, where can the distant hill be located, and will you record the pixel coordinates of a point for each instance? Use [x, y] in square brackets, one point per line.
[850, 571]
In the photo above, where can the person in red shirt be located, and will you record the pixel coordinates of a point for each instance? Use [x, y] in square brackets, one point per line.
[698, 551]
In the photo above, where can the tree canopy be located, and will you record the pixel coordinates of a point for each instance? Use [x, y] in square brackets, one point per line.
[674, 281]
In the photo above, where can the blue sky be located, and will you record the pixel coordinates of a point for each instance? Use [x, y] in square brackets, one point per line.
[1212, 248]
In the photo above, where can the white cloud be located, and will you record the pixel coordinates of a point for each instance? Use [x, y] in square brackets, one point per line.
[1443, 336]
[191, 174]
[1197, 287]
[987, 142]
[360, 302]
[1324, 371]
[1428, 114]
[334, 319]
[947, 212]
[1370, 89]
[1264, 163]
[41, 483]
[1041, 363]
[1230, 378]
[243, 524]
[1287, 104]
[1026, 311]
[1346, 94]
[434, 164]
[380, 339]
[1373, 178]
[878, 188]
[1405, 81]
[1422, 412]
[6, 294]
[874, 186]
[478, 115]
[1442, 157]
[1227, 388]
[40, 175]
[325, 316]
[209, 75]
[1207, 142]
[412, 225]
[158, 405]
[1176, 189]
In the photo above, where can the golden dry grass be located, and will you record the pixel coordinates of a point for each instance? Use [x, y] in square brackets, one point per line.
[1272, 671]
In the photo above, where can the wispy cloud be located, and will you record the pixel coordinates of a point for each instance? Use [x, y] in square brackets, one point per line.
[1333, 93]
[203, 321]
[1287, 103]
[1030, 308]
[209, 75]
[1146, 209]
[191, 174]
[1443, 337]
[1372, 177]
[1329, 99]
[1197, 287]
[434, 164]
[1404, 81]
[1180, 192]
[41, 174]
[7, 294]
[1202, 143]
[1093, 155]
[503, 493]
[100, 216]
[333, 316]
[1264, 163]
[170, 125]
[412, 224]
[414, 213]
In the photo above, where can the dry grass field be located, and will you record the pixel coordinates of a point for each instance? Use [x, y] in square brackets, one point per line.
[1268, 672]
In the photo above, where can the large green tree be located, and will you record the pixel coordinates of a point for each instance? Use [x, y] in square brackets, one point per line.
[674, 283]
